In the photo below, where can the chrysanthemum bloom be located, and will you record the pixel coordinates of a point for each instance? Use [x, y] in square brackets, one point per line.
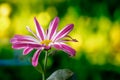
[44, 40]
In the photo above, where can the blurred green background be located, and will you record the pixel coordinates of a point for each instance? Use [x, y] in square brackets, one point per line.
[96, 27]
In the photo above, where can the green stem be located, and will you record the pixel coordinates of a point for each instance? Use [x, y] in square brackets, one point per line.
[45, 61]
[45, 64]
[43, 76]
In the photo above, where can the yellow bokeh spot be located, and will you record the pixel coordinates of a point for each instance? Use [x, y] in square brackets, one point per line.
[95, 43]
[5, 9]
[44, 18]
[115, 34]
[104, 24]
[52, 11]
[4, 25]
[117, 59]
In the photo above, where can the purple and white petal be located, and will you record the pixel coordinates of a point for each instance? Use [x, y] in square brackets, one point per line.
[52, 28]
[39, 30]
[14, 40]
[24, 45]
[66, 48]
[62, 33]
[36, 57]
[18, 46]
[20, 38]
[25, 42]
[27, 50]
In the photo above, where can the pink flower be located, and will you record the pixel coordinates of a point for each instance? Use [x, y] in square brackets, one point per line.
[44, 40]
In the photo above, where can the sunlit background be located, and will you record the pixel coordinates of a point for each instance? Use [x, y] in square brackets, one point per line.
[96, 27]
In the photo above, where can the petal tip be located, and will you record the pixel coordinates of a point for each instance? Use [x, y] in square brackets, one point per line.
[72, 25]
[12, 40]
[35, 19]
[34, 63]
[57, 18]
[72, 53]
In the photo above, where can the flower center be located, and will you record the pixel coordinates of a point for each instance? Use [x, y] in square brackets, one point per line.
[46, 42]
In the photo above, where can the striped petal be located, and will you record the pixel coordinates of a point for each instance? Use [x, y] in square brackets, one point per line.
[20, 38]
[66, 48]
[24, 45]
[63, 32]
[27, 50]
[39, 30]
[15, 40]
[36, 57]
[52, 28]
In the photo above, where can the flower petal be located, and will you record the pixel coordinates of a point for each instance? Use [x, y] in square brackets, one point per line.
[63, 32]
[36, 57]
[27, 50]
[14, 40]
[52, 28]
[66, 48]
[24, 45]
[20, 38]
[39, 30]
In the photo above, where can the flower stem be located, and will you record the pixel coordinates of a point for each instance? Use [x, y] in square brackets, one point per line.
[45, 61]
[43, 76]
[45, 64]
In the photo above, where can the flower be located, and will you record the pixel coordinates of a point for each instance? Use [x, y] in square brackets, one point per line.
[44, 40]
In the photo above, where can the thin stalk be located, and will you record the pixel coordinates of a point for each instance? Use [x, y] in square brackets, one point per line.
[45, 61]
[45, 64]
[43, 76]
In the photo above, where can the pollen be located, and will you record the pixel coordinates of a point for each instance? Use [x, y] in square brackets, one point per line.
[46, 42]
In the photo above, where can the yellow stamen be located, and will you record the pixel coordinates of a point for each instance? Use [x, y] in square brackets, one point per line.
[46, 42]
